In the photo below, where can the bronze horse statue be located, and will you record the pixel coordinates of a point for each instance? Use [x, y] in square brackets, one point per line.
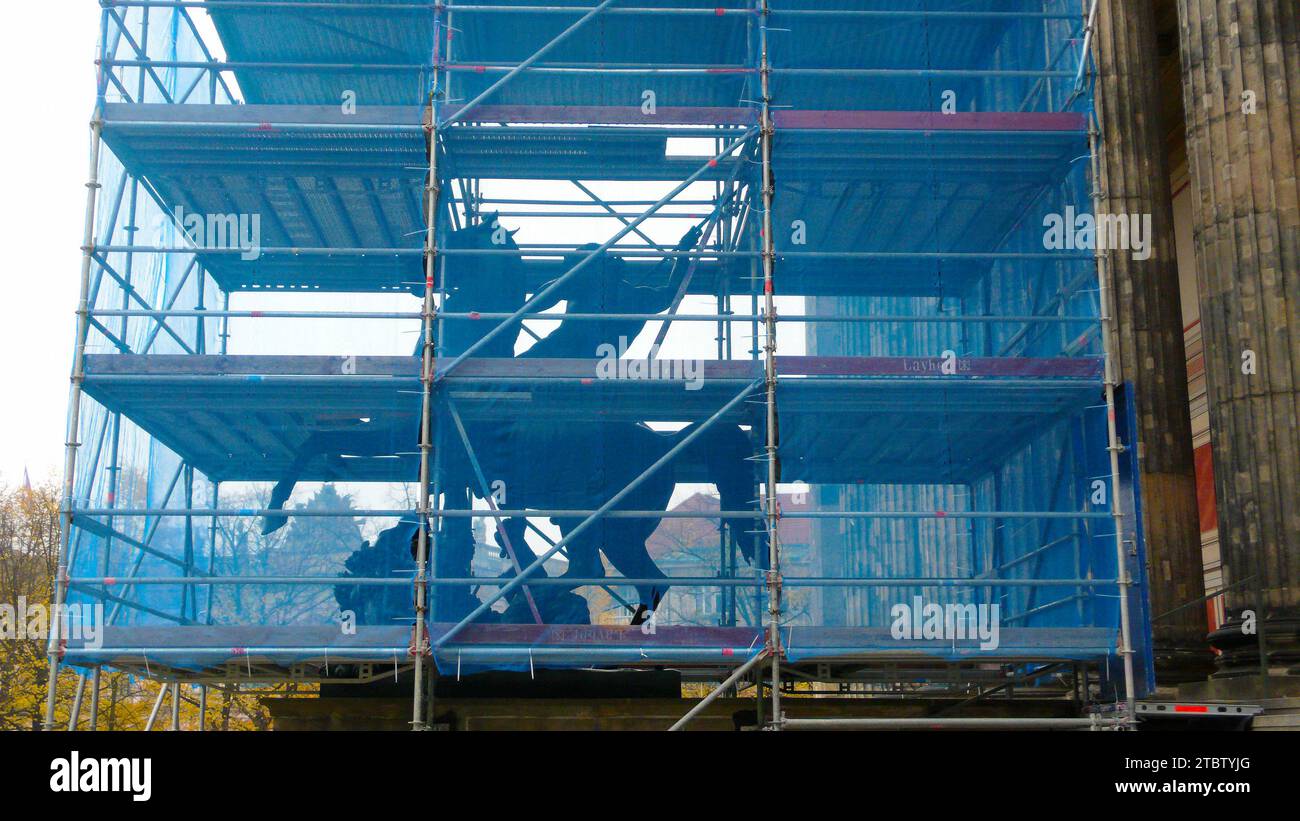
[545, 464]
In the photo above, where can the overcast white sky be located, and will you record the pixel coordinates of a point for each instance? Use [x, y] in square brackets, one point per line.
[47, 53]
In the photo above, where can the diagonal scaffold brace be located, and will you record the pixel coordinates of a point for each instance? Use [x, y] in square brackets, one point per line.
[520, 579]
[559, 282]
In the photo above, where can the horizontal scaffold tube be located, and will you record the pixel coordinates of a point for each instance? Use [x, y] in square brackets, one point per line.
[649, 654]
[635, 251]
[707, 71]
[642, 69]
[707, 9]
[939, 723]
[833, 381]
[474, 317]
[565, 581]
[613, 514]
[561, 251]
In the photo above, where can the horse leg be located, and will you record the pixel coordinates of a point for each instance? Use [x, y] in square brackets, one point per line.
[624, 544]
[584, 551]
[513, 533]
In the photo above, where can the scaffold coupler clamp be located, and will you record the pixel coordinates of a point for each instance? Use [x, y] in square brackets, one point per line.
[770, 648]
[419, 646]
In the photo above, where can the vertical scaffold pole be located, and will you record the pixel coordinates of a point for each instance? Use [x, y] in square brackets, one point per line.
[94, 698]
[176, 706]
[769, 347]
[123, 332]
[54, 647]
[1114, 445]
[212, 563]
[419, 637]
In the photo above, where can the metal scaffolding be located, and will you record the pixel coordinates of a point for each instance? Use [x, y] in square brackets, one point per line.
[943, 383]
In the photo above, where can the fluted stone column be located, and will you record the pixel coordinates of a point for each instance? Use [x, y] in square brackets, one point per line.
[1148, 313]
[1241, 73]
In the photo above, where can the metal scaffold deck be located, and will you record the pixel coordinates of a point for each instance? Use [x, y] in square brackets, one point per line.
[429, 338]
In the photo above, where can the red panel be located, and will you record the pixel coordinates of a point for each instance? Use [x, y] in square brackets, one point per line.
[608, 115]
[811, 120]
[931, 120]
[1205, 498]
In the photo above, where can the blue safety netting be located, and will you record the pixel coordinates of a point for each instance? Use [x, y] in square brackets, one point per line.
[599, 405]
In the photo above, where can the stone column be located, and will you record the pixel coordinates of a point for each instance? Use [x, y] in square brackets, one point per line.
[1148, 313]
[1241, 75]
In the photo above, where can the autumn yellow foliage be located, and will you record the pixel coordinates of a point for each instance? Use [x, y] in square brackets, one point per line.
[29, 540]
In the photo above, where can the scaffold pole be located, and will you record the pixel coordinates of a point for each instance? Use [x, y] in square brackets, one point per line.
[72, 440]
[1114, 445]
[770, 375]
[419, 640]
